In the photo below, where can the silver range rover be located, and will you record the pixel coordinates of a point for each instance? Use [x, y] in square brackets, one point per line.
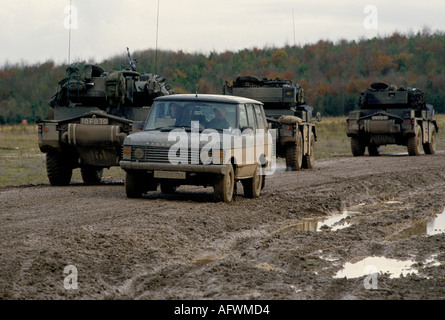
[195, 139]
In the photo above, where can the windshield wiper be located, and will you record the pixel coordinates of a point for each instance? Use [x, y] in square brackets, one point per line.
[170, 128]
[163, 128]
[189, 128]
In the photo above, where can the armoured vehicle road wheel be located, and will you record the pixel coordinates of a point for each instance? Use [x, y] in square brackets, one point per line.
[58, 169]
[415, 142]
[430, 148]
[308, 160]
[224, 186]
[294, 154]
[357, 147]
[252, 186]
[91, 175]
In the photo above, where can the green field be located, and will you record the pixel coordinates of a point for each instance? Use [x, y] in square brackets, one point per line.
[22, 163]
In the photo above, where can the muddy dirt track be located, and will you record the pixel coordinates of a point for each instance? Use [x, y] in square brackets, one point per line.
[299, 240]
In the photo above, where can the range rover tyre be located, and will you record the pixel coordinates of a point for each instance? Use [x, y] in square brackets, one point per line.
[252, 186]
[430, 148]
[59, 171]
[414, 144]
[134, 184]
[224, 186]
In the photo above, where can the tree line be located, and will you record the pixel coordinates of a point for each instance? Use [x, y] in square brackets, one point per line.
[332, 73]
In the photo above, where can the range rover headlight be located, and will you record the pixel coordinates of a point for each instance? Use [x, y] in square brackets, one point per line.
[139, 153]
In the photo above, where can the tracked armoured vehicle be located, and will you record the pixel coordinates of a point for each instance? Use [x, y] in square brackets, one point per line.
[94, 111]
[287, 112]
[390, 115]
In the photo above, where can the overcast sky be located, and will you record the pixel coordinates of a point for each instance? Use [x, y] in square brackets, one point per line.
[34, 31]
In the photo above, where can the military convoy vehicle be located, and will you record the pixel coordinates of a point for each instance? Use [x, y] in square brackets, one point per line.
[94, 111]
[287, 112]
[390, 115]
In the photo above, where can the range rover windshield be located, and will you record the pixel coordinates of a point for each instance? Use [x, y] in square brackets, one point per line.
[169, 115]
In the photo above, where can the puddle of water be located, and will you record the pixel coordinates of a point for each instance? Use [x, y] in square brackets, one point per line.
[268, 267]
[332, 223]
[423, 227]
[392, 202]
[336, 222]
[395, 268]
[305, 225]
[344, 220]
[207, 259]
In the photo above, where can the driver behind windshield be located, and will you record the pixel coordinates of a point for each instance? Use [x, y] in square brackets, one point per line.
[219, 121]
[179, 113]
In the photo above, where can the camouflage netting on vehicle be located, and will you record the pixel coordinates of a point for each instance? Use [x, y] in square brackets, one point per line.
[416, 97]
[115, 89]
[78, 75]
[76, 78]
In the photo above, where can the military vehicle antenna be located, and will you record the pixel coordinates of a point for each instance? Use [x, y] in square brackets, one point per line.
[156, 50]
[293, 25]
[69, 36]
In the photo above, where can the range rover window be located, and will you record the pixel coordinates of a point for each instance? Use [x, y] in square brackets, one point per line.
[251, 116]
[243, 123]
[259, 117]
[168, 115]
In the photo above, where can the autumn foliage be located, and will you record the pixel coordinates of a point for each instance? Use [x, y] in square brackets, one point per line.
[332, 74]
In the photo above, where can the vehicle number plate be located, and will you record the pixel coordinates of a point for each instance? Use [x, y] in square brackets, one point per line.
[94, 120]
[169, 174]
[379, 117]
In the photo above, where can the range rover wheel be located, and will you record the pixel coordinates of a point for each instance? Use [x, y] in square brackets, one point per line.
[224, 186]
[252, 186]
[134, 184]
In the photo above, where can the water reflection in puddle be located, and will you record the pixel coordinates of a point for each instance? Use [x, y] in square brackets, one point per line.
[336, 222]
[395, 268]
[423, 227]
[332, 223]
[392, 267]
[345, 220]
